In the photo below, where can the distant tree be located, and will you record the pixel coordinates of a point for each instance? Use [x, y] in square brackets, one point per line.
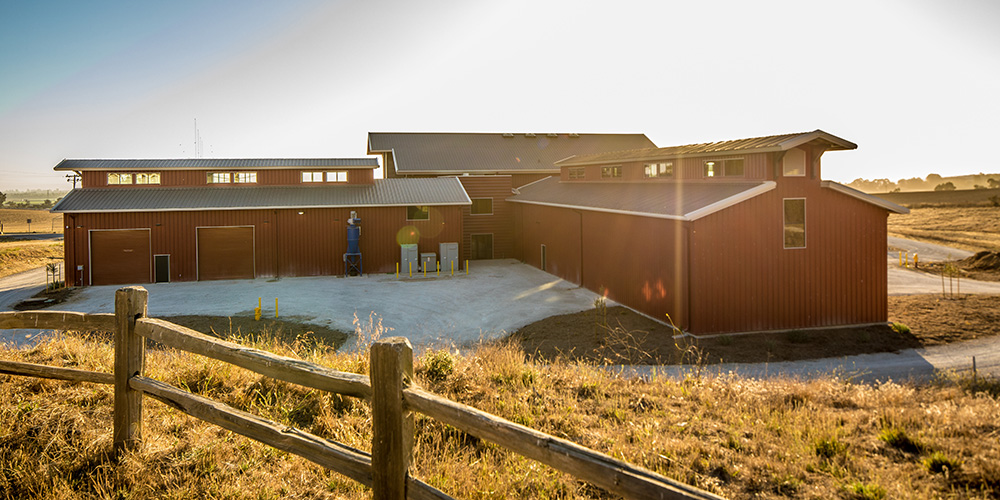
[978, 186]
[3, 198]
[947, 186]
[993, 183]
[912, 184]
[933, 178]
[47, 204]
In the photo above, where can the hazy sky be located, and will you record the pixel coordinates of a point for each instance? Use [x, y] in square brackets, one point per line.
[913, 82]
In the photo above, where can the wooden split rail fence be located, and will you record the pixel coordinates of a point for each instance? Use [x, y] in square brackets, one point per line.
[391, 391]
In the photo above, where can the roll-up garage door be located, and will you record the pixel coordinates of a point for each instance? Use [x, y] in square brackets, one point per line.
[119, 257]
[225, 253]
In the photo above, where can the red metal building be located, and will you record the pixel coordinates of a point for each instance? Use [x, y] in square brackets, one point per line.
[732, 236]
[141, 221]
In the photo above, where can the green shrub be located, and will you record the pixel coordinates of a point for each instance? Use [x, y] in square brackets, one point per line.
[939, 463]
[899, 439]
[438, 365]
[829, 448]
[900, 328]
[863, 491]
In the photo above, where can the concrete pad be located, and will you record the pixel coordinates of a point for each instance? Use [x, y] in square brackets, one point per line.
[496, 297]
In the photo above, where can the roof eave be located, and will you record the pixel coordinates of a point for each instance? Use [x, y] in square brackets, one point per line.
[874, 200]
[732, 200]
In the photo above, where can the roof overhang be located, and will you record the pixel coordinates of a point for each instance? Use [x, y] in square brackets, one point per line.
[865, 197]
[281, 207]
[139, 164]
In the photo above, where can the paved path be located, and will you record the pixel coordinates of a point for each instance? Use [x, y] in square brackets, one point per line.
[13, 289]
[928, 252]
[909, 281]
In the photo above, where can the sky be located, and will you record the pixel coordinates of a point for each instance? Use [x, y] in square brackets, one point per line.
[914, 83]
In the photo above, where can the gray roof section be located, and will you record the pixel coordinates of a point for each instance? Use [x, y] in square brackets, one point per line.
[202, 163]
[384, 192]
[668, 200]
[753, 145]
[452, 153]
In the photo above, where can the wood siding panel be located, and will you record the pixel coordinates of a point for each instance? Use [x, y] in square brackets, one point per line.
[743, 279]
[500, 224]
[286, 243]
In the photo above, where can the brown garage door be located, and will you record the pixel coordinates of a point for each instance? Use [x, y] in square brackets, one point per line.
[225, 253]
[119, 257]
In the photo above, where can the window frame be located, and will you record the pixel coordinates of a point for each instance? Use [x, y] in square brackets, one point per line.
[784, 159]
[312, 176]
[576, 172]
[252, 177]
[659, 169]
[336, 176]
[413, 209]
[118, 178]
[216, 178]
[611, 172]
[723, 167]
[472, 210]
[149, 178]
[785, 225]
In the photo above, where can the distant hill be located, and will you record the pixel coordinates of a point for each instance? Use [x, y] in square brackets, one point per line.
[930, 183]
[959, 197]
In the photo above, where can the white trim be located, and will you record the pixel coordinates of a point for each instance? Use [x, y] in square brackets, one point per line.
[805, 233]
[604, 210]
[874, 200]
[732, 200]
[90, 250]
[805, 163]
[471, 214]
[516, 189]
[816, 134]
[282, 207]
[408, 219]
[253, 244]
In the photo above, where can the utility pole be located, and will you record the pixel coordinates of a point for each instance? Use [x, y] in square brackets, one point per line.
[72, 178]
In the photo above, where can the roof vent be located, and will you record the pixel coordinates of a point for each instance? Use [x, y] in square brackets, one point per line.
[529, 135]
[508, 134]
[574, 135]
[552, 135]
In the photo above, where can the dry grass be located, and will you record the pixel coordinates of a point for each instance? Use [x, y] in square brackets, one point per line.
[15, 220]
[970, 228]
[741, 438]
[18, 256]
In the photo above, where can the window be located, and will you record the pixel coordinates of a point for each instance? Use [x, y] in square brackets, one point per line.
[118, 178]
[659, 170]
[414, 212]
[794, 163]
[245, 177]
[795, 223]
[482, 206]
[150, 178]
[336, 176]
[727, 168]
[312, 176]
[219, 178]
[611, 172]
[577, 172]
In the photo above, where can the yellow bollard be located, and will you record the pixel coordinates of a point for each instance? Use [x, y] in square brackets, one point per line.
[900, 258]
[425, 269]
[275, 308]
[915, 260]
[256, 312]
[411, 268]
[452, 267]
[906, 259]
[439, 268]
[466, 267]
[397, 270]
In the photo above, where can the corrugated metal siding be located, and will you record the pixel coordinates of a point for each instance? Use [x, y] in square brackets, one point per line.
[500, 224]
[559, 230]
[742, 279]
[310, 244]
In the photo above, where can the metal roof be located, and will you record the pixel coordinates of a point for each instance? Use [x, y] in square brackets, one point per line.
[451, 153]
[874, 200]
[384, 192]
[754, 145]
[667, 200]
[200, 163]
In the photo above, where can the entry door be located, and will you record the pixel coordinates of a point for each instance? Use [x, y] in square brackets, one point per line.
[161, 268]
[482, 246]
[225, 253]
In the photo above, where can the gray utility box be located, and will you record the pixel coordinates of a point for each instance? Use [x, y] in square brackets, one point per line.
[449, 256]
[407, 256]
[428, 262]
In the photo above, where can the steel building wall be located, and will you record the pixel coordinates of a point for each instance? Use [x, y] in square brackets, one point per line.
[309, 244]
[500, 224]
[271, 177]
[559, 230]
[742, 279]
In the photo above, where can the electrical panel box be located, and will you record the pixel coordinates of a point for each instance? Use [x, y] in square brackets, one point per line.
[428, 262]
[449, 257]
[407, 256]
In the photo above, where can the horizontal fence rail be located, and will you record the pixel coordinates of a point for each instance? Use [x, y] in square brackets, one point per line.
[390, 390]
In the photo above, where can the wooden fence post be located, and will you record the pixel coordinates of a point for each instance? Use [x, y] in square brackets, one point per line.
[130, 304]
[392, 424]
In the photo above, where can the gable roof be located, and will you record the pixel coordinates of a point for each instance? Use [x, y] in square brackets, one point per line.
[865, 197]
[663, 200]
[767, 144]
[434, 191]
[456, 153]
[77, 164]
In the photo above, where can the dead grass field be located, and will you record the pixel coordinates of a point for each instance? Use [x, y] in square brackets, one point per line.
[974, 228]
[18, 256]
[42, 221]
[739, 438]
